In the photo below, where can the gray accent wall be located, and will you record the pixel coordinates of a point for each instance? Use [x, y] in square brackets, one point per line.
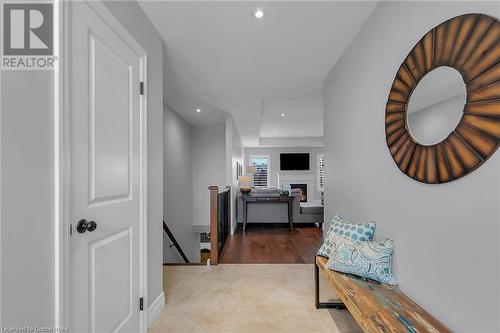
[447, 236]
[234, 155]
[274, 162]
[131, 15]
[209, 168]
[178, 187]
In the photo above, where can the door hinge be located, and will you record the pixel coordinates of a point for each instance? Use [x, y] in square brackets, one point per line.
[141, 304]
[141, 88]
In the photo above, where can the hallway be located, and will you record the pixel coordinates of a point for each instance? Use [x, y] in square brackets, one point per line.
[245, 298]
[272, 245]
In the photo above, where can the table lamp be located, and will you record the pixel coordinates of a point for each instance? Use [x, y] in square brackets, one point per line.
[245, 181]
[251, 169]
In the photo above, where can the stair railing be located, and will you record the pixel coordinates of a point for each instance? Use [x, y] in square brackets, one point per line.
[220, 220]
[174, 242]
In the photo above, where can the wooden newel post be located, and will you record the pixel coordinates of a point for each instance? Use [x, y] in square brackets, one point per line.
[229, 213]
[214, 242]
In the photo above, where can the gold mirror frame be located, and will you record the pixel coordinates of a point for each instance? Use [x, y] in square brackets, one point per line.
[469, 43]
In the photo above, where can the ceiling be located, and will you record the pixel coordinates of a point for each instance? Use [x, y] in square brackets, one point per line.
[289, 117]
[220, 58]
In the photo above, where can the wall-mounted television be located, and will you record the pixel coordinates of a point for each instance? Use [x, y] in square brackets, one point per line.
[294, 161]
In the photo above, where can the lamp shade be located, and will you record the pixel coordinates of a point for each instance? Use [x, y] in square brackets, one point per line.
[245, 181]
[251, 169]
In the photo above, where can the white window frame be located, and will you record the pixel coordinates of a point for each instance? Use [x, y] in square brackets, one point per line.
[253, 156]
[318, 176]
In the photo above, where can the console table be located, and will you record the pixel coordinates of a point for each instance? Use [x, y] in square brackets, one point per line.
[267, 199]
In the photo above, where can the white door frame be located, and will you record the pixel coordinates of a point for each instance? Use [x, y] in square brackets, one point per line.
[62, 174]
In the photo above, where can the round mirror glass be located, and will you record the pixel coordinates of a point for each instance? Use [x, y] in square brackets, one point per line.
[436, 105]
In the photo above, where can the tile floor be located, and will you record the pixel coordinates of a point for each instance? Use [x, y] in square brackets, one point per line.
[261, 298]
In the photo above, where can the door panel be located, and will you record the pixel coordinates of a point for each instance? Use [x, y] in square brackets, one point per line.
[110, 152]
[109, 314]
[105, 137]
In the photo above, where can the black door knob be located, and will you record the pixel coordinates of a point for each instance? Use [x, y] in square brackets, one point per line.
[84, 225]
[91, 226]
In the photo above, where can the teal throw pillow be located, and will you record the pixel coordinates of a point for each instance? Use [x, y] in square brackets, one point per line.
[341, 227]
[372, 260]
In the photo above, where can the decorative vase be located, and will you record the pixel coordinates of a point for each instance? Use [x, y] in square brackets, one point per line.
[245, 190]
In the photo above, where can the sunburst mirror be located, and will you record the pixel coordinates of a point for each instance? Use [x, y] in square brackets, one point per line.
[442, 117]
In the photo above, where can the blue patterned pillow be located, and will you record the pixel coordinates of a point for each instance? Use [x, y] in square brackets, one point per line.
[371, 260]
[341, 227]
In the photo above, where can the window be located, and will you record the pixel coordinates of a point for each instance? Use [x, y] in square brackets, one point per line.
[321, 172]
[261, 175]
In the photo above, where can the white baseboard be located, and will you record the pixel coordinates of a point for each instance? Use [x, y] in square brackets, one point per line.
[156, 308]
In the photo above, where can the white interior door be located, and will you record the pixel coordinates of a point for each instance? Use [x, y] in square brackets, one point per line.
[105, 136]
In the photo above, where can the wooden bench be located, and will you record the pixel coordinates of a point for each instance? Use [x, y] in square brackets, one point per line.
[375, 306]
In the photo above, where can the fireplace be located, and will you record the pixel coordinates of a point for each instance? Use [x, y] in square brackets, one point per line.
[303, 191]
[297, 179]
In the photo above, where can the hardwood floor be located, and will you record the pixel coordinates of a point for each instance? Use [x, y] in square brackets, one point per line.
[259, 245]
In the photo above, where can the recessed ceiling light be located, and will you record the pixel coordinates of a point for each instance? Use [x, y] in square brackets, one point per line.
[283, 115]
[258, 13]
[198, 110]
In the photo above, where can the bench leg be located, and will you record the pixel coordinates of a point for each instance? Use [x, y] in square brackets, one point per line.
[323, 305]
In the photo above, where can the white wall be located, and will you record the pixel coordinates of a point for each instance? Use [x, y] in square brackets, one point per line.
[274, 162]
[27, 198]
[195, 157]
[297, 141]
[209, 167]
[130, 14]
[178, 187]
[234, 154]
[447, 236]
